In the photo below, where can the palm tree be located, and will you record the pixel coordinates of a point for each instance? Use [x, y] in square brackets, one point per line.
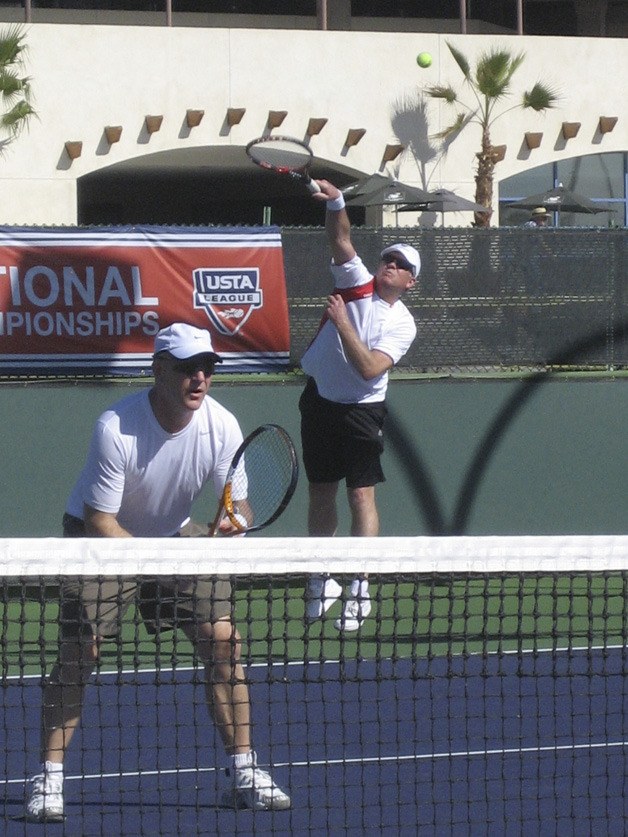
[15, 88]
[490, 84]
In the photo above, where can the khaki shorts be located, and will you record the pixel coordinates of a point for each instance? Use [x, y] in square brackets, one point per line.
[96, 606]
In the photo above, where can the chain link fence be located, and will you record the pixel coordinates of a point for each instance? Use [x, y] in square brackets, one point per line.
[487, 301]
[495, 299]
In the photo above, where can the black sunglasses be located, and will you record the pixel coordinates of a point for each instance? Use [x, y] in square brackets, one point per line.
[398, 261]
[189, 368]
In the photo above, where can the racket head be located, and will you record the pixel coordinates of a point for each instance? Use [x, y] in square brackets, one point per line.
[261, 480]
[283, 155]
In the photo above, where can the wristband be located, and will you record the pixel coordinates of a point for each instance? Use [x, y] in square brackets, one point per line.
[241, 520]
[336, 204]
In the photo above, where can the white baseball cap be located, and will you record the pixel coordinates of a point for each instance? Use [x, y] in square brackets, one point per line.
[184, 341]
[410, 254]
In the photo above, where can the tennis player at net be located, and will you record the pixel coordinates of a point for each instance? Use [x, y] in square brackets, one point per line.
[150, 455]
[366, 329]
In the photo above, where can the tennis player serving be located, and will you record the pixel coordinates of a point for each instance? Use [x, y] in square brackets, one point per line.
[366, 329]
[150, 456]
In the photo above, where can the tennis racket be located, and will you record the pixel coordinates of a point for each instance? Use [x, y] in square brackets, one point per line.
[284, 155]
[260, 482]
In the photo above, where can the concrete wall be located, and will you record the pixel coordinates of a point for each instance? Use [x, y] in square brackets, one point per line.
[88, 76]
[558, 466]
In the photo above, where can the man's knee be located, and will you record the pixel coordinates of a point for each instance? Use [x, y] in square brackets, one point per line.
[218, 643]
[362, 498]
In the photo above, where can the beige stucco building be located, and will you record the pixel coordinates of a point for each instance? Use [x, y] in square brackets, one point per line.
[87, 78]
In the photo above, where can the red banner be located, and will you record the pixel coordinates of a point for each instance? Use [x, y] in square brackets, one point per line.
[90, 301]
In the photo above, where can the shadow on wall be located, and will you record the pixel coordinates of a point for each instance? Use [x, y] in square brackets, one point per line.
[417, 474]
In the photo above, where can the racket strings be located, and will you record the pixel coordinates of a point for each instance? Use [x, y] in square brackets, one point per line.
[263, 477]
[282, 155]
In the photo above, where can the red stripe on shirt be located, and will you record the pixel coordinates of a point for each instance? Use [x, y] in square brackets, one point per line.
[348, 295]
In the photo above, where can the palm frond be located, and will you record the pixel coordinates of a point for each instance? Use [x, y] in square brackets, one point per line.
[460, 60]
[12, 46]
[494, 72]
[540, 97]
[10, 84]
[457, 126]
[15, 89]
[440, 91]
[14, 120]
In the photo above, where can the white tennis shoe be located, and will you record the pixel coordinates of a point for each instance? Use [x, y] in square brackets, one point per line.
[322, 591]
[354, 613]
[254, 788]
[45, 798]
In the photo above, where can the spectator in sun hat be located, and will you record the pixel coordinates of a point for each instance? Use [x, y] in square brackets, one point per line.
[539, 217]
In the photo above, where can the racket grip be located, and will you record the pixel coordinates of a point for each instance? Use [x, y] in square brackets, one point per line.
[312, 186]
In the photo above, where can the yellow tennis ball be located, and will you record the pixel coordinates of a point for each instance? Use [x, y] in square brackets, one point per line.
[424, 59]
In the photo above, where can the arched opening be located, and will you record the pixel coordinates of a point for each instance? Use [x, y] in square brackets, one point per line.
[201, 186]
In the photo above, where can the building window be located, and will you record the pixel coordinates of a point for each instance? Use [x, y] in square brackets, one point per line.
[260, 7]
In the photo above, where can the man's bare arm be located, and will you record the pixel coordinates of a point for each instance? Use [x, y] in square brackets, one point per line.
[337, 224]
[99, 524]
[370, 363]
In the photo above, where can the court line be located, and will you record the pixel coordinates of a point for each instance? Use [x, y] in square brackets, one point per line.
[546, 748]
[277, 663]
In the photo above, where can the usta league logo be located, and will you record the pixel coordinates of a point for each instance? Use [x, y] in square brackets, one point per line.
[228, 295]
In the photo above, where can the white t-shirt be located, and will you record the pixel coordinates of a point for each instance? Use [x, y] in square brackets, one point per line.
[147, 477]
[387, 328]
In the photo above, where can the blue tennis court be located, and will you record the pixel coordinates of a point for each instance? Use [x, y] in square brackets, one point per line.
[511, 743]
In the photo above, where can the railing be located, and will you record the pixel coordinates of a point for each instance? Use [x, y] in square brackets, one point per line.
[322, 12]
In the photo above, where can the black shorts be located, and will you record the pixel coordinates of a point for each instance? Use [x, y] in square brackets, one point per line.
[341, 441]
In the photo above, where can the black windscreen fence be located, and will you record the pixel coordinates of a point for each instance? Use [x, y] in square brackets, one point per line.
[509, 298]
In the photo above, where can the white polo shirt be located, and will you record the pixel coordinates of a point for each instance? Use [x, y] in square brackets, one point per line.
[388, 328]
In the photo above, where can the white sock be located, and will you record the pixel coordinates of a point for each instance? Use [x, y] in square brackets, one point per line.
[359, 588]
[244, 760]
[52, 767]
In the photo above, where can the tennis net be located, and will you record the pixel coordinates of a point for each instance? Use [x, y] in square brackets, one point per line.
[484, 693]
